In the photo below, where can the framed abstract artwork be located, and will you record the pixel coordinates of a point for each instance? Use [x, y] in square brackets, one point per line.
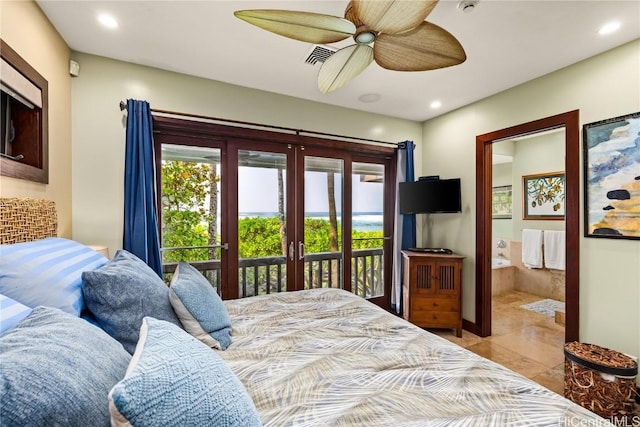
[543, 196]
[501, 202]
[611, 154]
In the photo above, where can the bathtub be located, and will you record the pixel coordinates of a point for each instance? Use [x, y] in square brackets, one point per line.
[503, 276]
[499, 262]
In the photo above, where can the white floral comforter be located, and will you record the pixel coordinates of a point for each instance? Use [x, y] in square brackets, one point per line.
[325, 357]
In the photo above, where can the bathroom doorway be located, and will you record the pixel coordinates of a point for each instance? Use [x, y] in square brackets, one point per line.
[536, 160]
[569, 122]
[528, 280]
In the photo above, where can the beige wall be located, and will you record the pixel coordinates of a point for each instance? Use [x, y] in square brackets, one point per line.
[25, 28]
[532, 156]
[605, 86]
[502, 228]
[99, 132]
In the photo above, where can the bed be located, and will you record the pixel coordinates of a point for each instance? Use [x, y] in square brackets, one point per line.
[322, 357]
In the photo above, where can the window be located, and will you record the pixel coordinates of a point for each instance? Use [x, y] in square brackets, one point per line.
[281, 212]
[23, 119]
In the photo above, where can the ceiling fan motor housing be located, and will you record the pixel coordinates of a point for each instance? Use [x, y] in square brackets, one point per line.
[363, 34]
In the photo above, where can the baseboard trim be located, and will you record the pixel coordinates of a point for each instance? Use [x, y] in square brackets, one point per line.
[467, 325]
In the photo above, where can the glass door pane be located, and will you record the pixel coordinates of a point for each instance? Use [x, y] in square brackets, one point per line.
[367, 235]
[323, 202]
[262, 222]
[191, 218]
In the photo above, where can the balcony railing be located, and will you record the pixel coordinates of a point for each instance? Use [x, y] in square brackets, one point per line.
[265, 275]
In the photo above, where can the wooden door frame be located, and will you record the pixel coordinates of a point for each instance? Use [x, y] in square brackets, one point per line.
[570, 121]
[205, 133]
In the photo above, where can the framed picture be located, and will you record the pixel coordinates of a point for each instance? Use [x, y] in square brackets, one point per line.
[543, 196]
[611, 154]
[501, 202]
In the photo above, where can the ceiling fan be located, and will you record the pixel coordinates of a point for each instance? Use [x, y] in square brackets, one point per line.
[402, 39]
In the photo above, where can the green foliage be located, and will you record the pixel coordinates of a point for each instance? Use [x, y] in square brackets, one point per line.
[260, 237]
[185, 218]
[185, 187]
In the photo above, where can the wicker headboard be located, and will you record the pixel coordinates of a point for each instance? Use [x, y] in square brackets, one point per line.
[23, 220]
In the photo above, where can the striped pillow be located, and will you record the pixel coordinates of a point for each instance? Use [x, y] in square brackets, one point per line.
[47, 272]
[11, 313]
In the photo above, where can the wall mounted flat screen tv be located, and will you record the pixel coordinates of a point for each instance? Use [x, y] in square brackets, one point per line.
[430, 196]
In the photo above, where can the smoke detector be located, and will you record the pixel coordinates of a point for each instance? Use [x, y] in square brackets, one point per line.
[467, 6]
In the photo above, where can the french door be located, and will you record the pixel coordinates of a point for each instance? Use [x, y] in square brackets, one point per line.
[276, 216]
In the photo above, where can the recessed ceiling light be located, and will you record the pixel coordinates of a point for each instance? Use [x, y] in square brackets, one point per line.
[369, 97]
[609, 28]
[108, 21]
[436, 104]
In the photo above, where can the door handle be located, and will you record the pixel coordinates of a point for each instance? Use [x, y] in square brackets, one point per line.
[291, 250]
[300, 250]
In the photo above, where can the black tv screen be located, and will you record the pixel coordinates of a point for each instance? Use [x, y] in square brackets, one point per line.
[430, 196]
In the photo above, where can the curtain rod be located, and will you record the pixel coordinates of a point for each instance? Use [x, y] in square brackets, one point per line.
[123, 106]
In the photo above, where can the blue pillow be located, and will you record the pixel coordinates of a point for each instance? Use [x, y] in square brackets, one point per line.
[57, 370]
[199, 307]
[122, 293]
[47, 272]
[175, 380]
[11, 313]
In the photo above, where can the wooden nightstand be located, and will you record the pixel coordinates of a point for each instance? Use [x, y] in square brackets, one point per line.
[432, 290]
[101, 249]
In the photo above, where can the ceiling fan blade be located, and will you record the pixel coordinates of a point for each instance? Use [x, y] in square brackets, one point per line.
[343, 66]
[428, 47]
[304, 26]
[392, 16]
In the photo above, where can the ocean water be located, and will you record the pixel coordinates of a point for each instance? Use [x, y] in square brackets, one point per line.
[362, 221]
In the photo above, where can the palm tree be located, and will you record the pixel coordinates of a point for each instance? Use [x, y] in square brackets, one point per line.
[333, 227]
[283, 232]
[213, 219]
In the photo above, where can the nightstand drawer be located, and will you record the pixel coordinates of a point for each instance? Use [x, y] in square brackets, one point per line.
[434, 319]
[434, 304]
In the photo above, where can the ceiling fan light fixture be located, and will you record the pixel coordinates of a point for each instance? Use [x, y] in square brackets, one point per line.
[365, 37]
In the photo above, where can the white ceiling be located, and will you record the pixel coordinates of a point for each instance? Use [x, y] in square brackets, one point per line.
[507, 43]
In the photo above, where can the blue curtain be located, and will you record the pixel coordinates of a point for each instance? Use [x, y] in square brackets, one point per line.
[405, 225]
[140, 215]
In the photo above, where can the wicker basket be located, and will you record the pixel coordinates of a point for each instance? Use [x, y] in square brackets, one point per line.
[601, 380]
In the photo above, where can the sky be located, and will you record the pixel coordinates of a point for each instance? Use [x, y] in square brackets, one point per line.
[258, 192]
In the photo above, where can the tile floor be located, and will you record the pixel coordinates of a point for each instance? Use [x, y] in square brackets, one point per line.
[526, 342]
[522, 340]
